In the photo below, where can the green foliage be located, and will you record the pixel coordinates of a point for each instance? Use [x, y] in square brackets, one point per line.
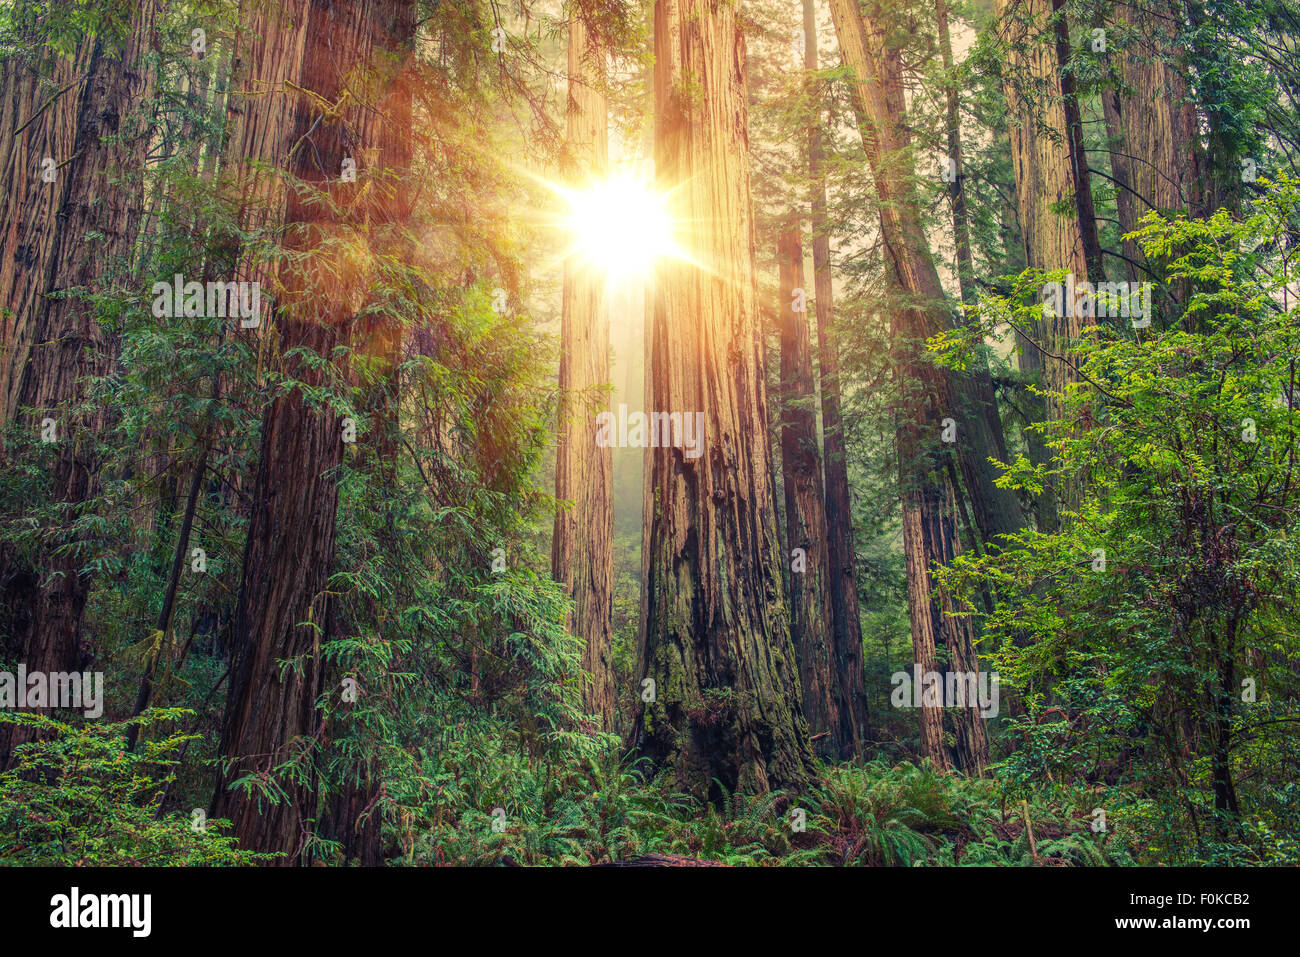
[914, 815]
[465, 740]
[1152, 638]
[861, 815]
[77, 797]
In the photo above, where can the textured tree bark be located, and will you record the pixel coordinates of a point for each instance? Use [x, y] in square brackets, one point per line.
[1040, 146]
[321, 71]
[926, 394]
[811, 619]
[842, 579]
[65, 243]
[647, 507]
[1152, 123]
[41, 108]
[930, 541]
[352, 819]
[923, 535]
[581, 548]
[1050, 172]
[726, 701]
[1080, 179]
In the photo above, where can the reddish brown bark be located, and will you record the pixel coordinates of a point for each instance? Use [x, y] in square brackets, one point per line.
[926, 394]
[842, 577]
[811, 619]
[716, 645]
[70, 241]
[1080, 179]
[1051, 173]
[581, 548]
[321, 70]
[40, 115]
[1151, 122]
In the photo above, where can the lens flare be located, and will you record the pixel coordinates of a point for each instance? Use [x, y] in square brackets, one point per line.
[619, 226]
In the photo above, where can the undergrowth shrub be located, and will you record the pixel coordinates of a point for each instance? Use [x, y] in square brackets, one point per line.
[77, 797]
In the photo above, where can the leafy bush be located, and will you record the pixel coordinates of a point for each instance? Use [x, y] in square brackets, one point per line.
[77, 797]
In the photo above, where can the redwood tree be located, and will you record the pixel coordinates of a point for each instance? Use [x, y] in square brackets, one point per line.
[319, 70]
[581, 549]
[1051, 171]
[995, 511]
[926, 394]
[1151, 121]
[66, 241]
[725, 702]
[830, 721]
[842, 578]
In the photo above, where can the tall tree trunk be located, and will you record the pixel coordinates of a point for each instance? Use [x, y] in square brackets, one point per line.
[811, 619]
[1050, 169]
[957, 191]
[926, 394]
[930, 541]
[716, 645]
[354, 814]
[924, 533]
[1080, 179]
[581, 549]
[41, 110]
[71, 241]
[1030, 407]
[284, 611]
[842, 580]
[1151, 122]
[647, 508]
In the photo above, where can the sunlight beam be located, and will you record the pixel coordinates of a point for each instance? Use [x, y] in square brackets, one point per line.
[619, 227]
